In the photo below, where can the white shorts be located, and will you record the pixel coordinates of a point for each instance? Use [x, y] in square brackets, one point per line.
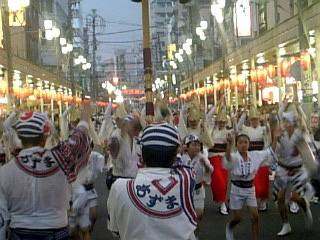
[198, 198]
[80, 218]
[239, 196]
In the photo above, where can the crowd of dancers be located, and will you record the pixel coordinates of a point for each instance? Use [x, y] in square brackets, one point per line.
[156, 172]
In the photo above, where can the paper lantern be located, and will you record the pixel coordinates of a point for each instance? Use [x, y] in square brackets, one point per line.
[271, 71]
[3, 87]
[293, 59]
[284, 68]
[254, 76]
[226, 83]
[305, 60]
[241, 80]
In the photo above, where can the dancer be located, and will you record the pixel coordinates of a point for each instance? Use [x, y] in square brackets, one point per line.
[34, 186]
[219, 177]
[157, 204]
[291, 177]
[193, 158]
[244, 165]
[259, 138]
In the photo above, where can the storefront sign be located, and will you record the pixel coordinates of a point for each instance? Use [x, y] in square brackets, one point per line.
[242, 18]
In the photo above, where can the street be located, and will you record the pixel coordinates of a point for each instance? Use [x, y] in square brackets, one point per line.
[213, 224]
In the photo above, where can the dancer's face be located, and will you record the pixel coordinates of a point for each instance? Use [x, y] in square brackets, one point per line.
[243, 144]
[194, 149]
[194, 123]
[221, 124]
[254, 122]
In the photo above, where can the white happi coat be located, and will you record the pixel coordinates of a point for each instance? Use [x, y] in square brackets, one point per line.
[246, 170]
[219, 137]
[157, 204]
[127, 160]
[200, 171]
[34, 187]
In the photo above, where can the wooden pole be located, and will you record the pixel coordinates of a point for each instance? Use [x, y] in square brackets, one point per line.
[147, 62]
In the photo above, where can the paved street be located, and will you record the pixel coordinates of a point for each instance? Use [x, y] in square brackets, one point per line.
[213, 224]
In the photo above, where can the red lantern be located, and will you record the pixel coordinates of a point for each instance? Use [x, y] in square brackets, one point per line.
[241, 80]
[226, 83]
[305, 60]
[284, 68]
[254, 76]
[264, 75]
[271, 71]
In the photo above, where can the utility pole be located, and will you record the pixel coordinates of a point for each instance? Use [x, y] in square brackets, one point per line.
[70, 36]
[94, 21]
[7, 46]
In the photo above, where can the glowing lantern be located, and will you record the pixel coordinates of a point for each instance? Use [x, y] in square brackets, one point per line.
[284, 68]
[241, 80]
[262, 75]
[3, 87]
[305, 60]
[271, 71]
[293, 59]
[254, 76]
[226, 83]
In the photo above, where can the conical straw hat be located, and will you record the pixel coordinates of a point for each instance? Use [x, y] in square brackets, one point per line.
[194, 113]
[253, 112]
[222, 114]
[120, 111]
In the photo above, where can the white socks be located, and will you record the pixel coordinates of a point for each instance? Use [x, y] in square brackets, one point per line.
[286, 229]
[229, 232]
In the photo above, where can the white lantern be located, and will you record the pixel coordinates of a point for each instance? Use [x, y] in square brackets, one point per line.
[199, 31]
[24, 3]
[49, 35]
[63, 41]
[56, 32]
[204, 24]
[48, 24]
[13, 5]
[221, 3]
[203, 37]
[64, 50]
[69, 47]
[77, 61]
[189, 41]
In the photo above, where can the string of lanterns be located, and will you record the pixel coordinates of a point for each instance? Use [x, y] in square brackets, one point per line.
[27, 91]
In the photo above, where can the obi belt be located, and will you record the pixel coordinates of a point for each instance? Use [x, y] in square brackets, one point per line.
[256, 145]
[218, 148]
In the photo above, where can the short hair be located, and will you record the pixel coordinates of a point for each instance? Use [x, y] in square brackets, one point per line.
[153, 157]
[35, 141]
[242, 135]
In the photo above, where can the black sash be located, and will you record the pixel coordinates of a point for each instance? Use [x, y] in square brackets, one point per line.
[218, 148]
[242, 184]
[256, 145]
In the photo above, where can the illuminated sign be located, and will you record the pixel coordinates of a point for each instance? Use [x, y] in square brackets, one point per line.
[17, 18]
[171, 48]
[242, 18]
[132, 91]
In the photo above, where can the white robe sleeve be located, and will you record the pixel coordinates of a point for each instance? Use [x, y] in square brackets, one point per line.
[112, 209]
[242, 119]
[207, 175]
[182, 127]
[64, 129]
